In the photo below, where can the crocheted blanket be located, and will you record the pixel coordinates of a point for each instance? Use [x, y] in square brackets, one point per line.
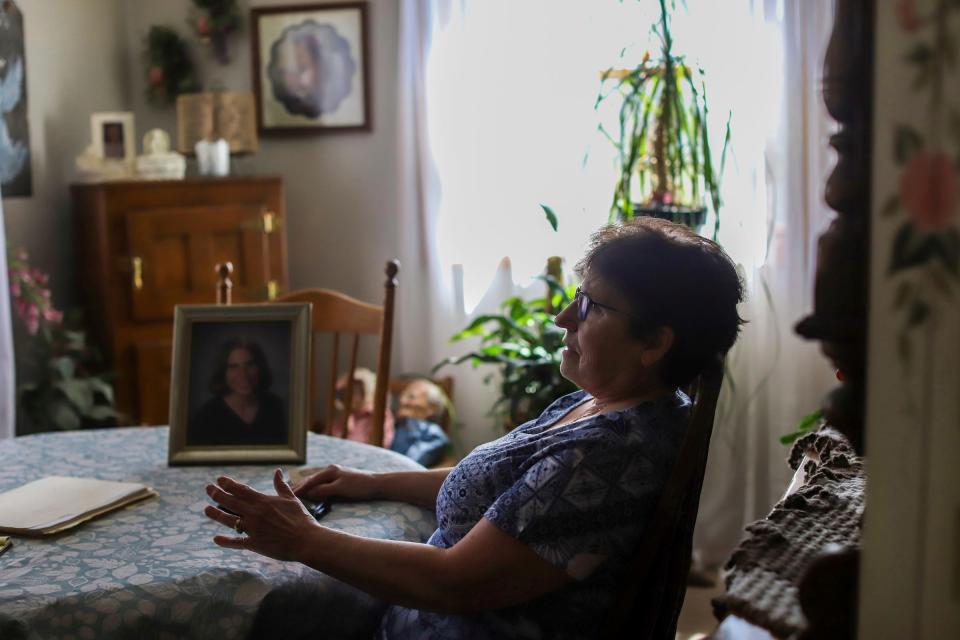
[763, 574]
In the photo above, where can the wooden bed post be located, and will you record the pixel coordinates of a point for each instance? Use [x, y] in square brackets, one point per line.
[829, 587]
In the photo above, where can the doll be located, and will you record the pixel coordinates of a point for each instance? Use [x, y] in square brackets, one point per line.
[418, 434]
[359, 422]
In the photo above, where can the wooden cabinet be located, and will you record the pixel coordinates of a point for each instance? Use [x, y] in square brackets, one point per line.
[144, 247]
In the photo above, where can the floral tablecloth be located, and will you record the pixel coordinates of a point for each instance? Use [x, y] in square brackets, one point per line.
[150, 570]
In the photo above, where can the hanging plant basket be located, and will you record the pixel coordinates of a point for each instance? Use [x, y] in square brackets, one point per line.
[695, 218]
[168, 67]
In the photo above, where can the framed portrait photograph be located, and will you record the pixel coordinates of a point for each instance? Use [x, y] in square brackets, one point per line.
[113, 136]
[311, 68]
[238, 392]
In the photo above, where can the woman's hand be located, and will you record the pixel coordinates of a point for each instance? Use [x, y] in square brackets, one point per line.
[335, 481]
[275, 526]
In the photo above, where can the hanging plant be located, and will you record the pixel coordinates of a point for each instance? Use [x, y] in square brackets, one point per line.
[169, 68]
[214, 21]
[667, 167]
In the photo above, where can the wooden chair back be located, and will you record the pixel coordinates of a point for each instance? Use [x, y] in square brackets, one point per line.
[337, 314]
[649, 602]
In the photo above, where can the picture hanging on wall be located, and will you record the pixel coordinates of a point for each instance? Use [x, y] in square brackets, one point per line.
[15, 177]
[310, 68]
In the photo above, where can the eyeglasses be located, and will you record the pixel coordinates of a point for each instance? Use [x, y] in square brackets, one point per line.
[584, 302]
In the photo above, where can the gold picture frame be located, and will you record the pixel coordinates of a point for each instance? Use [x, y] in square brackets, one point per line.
[238, 392]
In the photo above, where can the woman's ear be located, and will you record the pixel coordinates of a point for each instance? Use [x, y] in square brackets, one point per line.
[658, 347]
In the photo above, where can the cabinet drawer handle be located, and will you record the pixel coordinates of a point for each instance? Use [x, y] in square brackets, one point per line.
[136, 263]
[268, 222]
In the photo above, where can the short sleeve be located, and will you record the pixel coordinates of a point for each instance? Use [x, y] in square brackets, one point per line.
[585, 499]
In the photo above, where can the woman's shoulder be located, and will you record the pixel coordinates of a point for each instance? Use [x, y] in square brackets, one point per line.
[660, 420]
[564, 403]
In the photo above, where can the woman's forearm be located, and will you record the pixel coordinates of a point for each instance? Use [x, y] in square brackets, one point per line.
[486, 569]
[405, 573]
[415, 487]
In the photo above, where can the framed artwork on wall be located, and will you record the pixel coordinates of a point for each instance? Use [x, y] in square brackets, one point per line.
[238, 390]
[311, 70]
[113, 137]
[15, 176]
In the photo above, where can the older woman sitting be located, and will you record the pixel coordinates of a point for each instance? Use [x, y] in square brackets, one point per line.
[534, 529]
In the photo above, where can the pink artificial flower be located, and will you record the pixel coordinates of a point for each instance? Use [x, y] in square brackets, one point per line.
[907, 15]
[33, 325]
[928, 190]
[15, 288]
[203, 25]
[155, 76]
[52, 316]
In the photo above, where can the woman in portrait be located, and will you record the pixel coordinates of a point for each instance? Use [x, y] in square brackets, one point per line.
[536, 529]
[242, 410]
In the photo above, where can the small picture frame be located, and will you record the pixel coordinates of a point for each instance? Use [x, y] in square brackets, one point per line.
[113, 136]
[238, 392]
[311, 70]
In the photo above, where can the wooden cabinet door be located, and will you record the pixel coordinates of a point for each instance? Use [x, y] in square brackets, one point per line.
[178, 249]
[154, 365]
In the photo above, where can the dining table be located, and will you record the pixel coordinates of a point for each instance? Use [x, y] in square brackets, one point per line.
[151, 569]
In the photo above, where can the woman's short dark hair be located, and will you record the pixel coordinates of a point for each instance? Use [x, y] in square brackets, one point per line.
[674, 278]
[218, 379]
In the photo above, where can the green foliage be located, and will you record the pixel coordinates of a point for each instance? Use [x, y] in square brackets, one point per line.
[62, 392]
[168, 66]
[223, 15]
[906, 140]
[214, 21]
[807, 424]
[62, 389]
[912, 247]
[663, 141]
[551, 216]
[525, 345]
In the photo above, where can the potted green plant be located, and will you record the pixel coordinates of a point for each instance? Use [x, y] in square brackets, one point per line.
[666, 164]
[525, 345]
[61, 388]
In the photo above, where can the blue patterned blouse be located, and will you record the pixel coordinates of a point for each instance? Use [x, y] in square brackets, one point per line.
[578, 495]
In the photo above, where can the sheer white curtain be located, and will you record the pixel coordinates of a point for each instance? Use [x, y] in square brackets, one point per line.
[7, 377]
[776, 378]
[497, 116]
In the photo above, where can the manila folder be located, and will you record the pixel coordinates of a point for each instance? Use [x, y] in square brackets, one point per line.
[56, 503]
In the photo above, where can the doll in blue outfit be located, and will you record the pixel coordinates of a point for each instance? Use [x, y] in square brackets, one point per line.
[533, 529]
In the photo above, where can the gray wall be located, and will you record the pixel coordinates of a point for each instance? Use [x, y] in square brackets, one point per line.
[76, 65]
